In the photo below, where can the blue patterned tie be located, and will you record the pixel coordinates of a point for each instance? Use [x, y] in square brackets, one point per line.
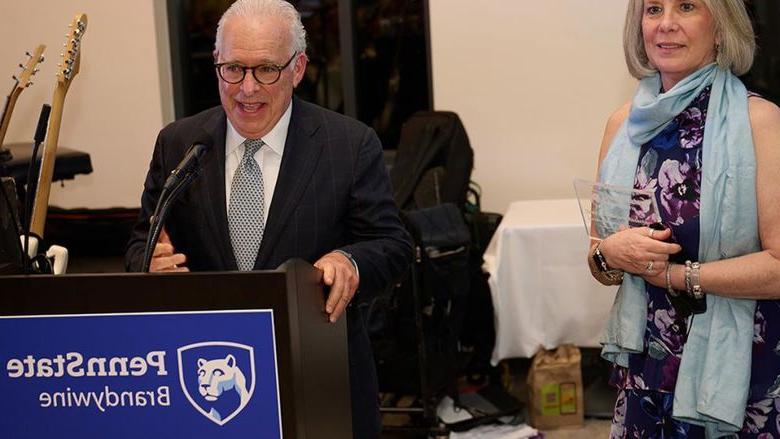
[247, 204]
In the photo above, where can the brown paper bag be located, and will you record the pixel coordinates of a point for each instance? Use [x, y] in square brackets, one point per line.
[555, 388]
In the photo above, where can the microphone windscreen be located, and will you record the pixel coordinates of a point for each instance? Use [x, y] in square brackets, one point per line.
[203, 138]
[201, 143]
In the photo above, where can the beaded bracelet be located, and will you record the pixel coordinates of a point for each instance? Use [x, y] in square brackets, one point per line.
[688, 285]
[696, 291]
[692, 276]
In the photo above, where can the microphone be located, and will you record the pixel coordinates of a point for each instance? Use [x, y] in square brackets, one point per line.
[191, 161]
[181, 177]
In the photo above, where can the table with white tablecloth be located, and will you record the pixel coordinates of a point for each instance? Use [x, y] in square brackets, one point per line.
[543, 293]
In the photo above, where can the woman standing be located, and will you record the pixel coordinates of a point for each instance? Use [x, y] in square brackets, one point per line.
[710, 152]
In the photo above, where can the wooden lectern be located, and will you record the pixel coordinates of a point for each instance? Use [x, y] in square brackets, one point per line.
[311, 353]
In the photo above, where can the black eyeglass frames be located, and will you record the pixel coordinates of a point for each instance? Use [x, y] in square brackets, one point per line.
[266, 74]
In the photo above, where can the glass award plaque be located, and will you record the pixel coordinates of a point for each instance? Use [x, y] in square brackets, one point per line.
[607, 209]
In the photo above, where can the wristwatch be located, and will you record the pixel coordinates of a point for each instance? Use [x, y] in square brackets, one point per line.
[601, 263]
[348, 255]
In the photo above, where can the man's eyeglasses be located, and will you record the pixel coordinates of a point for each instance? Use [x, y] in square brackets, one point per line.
[266, 74]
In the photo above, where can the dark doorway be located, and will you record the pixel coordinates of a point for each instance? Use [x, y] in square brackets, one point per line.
[764, 77]
[369, 59]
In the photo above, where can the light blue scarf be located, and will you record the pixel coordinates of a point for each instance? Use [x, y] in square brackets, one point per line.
[714, 377]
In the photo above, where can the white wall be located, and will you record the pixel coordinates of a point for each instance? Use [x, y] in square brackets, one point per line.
[113, 109]
[533, 82]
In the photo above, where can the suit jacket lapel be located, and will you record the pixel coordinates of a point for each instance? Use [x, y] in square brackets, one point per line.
[213, 177]
[301, 154]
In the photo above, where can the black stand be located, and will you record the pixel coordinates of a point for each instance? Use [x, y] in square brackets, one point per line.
[438, 287]
[5, 156]
[11, 253]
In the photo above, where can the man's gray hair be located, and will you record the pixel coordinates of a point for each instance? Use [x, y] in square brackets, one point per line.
[266, 9]
[732, 28]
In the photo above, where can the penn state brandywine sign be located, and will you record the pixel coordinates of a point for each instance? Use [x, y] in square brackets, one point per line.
[198, 375]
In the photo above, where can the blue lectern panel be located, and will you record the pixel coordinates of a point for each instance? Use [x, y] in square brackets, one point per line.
[156, 375]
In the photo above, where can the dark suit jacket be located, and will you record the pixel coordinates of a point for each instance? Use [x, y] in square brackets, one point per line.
[333, 192]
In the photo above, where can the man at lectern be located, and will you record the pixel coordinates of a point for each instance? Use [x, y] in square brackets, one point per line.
[282, 178]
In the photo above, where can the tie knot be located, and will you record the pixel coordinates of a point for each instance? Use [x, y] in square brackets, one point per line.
[251, 147]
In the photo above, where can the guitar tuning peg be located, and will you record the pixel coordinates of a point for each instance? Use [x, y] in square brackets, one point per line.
[36, 71]
[21, 66]
[15, 78]
[29, 84]
[41, 59]
[28, 54]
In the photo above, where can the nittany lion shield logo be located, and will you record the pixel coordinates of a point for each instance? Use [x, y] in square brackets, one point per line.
[217, 377]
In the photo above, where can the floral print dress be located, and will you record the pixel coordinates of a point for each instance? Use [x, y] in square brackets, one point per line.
[670, 166]
[762, 419]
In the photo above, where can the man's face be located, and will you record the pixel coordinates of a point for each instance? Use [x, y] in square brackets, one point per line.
[254, 108]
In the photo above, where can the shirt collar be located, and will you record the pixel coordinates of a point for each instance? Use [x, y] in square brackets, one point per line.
[275, 138]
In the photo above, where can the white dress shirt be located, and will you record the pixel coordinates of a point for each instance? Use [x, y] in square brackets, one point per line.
[269, 157]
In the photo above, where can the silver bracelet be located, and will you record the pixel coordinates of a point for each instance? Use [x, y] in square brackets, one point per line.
[671, 291]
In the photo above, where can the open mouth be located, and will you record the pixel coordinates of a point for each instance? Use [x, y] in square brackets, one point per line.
[252, 107]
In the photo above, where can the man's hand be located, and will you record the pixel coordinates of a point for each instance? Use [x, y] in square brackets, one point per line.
[338, 273]
[165, 257]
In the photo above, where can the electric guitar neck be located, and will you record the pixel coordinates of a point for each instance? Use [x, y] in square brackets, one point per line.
[22, 81]
[71, 62]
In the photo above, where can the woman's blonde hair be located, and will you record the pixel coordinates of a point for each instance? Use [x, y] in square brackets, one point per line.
[733, 30]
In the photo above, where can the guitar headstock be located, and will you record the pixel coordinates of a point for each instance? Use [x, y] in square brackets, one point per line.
[29, 70]
[71, 58]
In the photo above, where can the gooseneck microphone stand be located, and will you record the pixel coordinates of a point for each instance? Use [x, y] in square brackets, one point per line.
[157, 220]
[181, 177]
